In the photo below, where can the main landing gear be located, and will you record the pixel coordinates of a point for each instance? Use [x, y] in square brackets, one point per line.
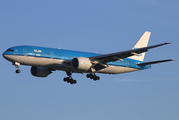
[16, 64]
[69, 79]
[93, 76]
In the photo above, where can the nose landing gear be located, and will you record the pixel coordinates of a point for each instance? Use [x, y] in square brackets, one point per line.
[16, 64]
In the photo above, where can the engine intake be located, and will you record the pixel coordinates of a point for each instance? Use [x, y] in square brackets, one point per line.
[81, 63]
[40, 71]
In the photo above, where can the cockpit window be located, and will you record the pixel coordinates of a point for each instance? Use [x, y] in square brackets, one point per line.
[11, 50]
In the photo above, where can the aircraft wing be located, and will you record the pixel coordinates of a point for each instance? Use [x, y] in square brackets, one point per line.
[124, 54]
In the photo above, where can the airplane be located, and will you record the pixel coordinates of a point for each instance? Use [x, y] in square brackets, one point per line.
[45, 60]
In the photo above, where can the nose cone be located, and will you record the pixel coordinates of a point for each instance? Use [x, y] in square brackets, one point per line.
[7, 56]
[4, 55]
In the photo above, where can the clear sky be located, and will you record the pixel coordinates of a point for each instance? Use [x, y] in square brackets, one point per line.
[102, 26]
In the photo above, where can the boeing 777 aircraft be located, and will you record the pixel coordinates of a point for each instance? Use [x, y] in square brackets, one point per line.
[45, 60]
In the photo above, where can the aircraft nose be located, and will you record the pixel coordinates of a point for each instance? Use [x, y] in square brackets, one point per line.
[4, 55]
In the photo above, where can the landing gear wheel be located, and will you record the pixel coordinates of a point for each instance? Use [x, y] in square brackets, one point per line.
[64, 79]
[71, 82]
[97, 77]
[93, 76]
[68, 80]
[88, 75]
[74, 81]
[18, 71]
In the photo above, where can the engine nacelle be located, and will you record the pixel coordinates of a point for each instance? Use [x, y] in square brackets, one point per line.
[81, 63]
[40, 71]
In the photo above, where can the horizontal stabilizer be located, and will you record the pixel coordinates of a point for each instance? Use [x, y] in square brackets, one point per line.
[154, 62]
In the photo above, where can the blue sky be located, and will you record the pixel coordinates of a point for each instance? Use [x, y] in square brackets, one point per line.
[93, 26]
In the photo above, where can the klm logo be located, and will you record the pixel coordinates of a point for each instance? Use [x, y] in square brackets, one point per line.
[140, 53]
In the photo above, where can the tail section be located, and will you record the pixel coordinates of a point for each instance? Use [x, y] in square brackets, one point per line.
[142, 42]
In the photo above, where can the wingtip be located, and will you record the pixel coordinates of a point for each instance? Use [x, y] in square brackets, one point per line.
[168, 43]
[172, 59]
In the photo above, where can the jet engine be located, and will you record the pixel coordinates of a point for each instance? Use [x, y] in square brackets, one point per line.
[81, 63]
[40, 71]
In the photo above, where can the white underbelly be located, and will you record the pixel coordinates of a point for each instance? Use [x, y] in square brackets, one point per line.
[116, 70]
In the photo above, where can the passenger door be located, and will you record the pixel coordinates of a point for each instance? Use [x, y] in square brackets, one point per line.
[51, 54]
[25, 52]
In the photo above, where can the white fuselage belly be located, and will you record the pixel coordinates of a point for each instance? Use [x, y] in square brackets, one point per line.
[58, 64]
